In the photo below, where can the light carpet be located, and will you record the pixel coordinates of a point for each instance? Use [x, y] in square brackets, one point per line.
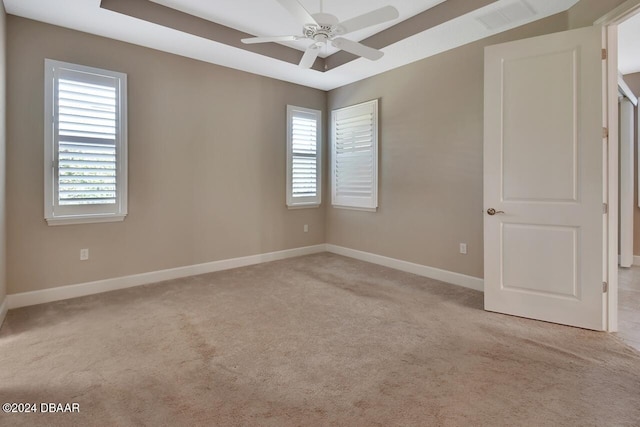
[316, 340]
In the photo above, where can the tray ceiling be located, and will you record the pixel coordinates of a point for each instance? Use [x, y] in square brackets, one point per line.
[210, 30]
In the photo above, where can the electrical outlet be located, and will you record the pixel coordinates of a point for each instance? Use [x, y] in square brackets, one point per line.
[306, 228]
[84, 254]
[463, 248]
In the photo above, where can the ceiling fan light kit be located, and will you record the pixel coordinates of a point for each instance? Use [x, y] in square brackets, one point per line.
[322, 28]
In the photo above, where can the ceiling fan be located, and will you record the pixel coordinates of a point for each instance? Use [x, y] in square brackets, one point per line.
[324, 27]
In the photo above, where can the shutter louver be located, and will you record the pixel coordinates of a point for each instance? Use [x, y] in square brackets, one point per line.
[304, 151]
[87, 129]
[355, 156]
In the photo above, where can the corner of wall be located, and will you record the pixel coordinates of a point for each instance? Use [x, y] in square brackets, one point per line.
[326, 168]
[3, 137]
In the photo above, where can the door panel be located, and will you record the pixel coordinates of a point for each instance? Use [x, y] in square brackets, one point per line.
[547, 143]
[535, 259]
[543, 167]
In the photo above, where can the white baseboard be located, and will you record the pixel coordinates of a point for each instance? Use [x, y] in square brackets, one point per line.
[83, 289]
[73, 291]
[419, 269]
[636, 260]
[4, 307]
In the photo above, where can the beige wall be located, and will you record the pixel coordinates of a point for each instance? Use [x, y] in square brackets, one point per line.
[586, 12]
[207, 156]
[206, 164]
[431, 137]
[3, 109]
[633, 80]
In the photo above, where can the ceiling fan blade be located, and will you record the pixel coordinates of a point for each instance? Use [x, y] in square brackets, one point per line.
[374, 17]
[357, 48]
[298, 11]
[310, 56]
[252, 40]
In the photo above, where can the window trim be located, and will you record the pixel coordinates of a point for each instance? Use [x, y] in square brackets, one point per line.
[368, 204]
[81, 214]
[305, 202]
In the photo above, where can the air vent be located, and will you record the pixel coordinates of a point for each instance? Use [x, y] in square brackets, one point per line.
[507, 15]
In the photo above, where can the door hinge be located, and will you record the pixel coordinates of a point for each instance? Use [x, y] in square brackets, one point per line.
[605, 133]
[605, 208]
[605, 287]
[604, 54]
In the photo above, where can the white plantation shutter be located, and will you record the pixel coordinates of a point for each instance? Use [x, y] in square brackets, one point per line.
[304, 150]
[85, 142]
[354, 163]
[303, 157]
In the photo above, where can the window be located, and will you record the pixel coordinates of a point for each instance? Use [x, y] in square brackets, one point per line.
[354, 156]
[85, 160]
[303, 157]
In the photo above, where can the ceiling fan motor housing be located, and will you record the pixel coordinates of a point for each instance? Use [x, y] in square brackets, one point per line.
[326, 29]
[317, 33]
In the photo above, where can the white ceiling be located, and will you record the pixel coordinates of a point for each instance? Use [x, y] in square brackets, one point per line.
[629, 45]
[268, 17]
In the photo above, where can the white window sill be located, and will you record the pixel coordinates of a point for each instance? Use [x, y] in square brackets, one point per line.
[355, 208]
[304, 206]
[88, 219]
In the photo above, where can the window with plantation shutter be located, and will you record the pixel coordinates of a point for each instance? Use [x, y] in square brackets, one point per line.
[354, 156]
[303, 157]
[85, 144]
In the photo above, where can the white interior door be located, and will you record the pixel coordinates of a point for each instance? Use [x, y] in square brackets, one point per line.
[544, 157]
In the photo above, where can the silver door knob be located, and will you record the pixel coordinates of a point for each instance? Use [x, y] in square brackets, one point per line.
[492, 211]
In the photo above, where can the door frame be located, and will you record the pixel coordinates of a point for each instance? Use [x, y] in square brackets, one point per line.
[610, 23]
[628, 186]
[626, 110]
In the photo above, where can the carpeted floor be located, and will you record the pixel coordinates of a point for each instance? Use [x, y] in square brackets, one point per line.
[316, 340]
